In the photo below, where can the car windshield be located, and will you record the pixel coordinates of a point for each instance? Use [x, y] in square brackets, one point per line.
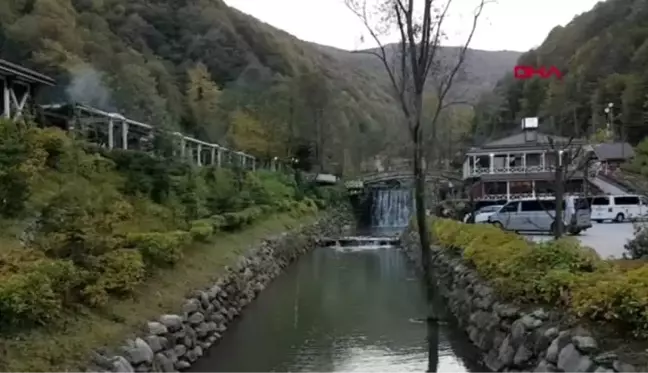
[490, 208]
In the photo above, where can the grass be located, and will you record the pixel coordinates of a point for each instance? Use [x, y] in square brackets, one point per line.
[67, 345]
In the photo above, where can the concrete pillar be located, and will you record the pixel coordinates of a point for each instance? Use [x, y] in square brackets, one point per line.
[124, 135]
[508, 190]
[199, 155]
[492, 162]
[6, 99]
[212, 156]
[524, 160]
[219, 157]
[111, 134]
[508, 162]
[183, 145]
[542, 160]
[533, 188]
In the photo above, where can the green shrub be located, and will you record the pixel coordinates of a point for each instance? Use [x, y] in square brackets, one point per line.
[201, 230]
[160, 249]
[37, 292]
[218, 222]
[117, 273]
[637, 248]
[561, 272]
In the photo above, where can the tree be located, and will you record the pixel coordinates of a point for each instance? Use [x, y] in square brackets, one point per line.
[410, 64]
[248, 134]
[203, 96]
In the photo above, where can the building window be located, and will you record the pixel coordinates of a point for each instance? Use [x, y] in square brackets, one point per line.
[495, 187]
[521, 187]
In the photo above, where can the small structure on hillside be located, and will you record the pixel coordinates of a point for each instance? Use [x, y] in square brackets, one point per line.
[19, 87]
[611, 155]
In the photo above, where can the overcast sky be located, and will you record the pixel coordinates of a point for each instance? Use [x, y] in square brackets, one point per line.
[507, 24]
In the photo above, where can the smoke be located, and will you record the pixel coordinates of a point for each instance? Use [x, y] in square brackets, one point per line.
[87, 88]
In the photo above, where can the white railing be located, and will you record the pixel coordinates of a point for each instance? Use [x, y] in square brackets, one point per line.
[478, 171]
[191, 149]
[515, 196]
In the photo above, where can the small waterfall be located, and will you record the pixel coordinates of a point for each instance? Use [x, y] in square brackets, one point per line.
[391, 207]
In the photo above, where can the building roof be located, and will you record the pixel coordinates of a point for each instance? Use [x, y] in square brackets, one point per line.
[519, 141]
[28, 76]
[616, 150]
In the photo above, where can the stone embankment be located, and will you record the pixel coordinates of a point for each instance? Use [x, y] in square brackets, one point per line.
[175, 341]
[512, 338]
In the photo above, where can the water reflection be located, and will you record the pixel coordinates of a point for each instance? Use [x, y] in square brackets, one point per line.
[338, 310]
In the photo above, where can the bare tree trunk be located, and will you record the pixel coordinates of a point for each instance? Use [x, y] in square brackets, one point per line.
[560, 197]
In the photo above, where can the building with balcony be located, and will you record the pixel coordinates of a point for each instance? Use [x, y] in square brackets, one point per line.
[523, 165]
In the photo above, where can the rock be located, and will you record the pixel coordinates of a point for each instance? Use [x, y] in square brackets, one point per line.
[620, 366]
[204, 299]
[180, 350]
[101, 361]
[545, 366]
[556, 345]
[156, 328]
[190, 306]
[156, 343]
[162, 363]
[540, 314]
[603, 370]
[522, 355]
[120, 364]
[506, 310]
[202, 330]
[196, 318]
[182, 364]
[212, 293]
[171, 322]
[142, 368]
[138, 352]
[606, 359]
[551, 333]
[506, 352]
[171, 355]
[530, 322]
[585, 344]
[571, 360]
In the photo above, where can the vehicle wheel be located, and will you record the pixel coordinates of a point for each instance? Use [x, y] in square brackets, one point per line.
[575, 232]
[498, 225]
[619, 218]
[599, 221]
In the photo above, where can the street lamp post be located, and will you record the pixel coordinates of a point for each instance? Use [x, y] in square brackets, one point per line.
[609, 111]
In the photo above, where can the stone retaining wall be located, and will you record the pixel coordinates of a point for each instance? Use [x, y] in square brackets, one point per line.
[510, 338]
[175, 341]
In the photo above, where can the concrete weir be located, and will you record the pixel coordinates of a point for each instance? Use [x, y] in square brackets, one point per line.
[174, 342]
[360, 241]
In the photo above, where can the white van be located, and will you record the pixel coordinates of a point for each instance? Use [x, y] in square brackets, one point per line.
[618, 208]
[531, 214]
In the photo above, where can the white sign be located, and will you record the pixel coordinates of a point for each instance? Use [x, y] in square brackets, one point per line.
[530, 123]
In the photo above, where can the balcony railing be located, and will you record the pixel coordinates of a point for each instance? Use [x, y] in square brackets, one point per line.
[478, 171]
[516, 196]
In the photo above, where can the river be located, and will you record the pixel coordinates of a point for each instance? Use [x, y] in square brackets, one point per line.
[341, 309]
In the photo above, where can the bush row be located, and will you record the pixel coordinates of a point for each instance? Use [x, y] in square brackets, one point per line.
[96, 223]
[561, 273]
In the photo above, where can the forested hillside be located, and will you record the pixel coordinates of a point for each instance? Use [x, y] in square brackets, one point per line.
[603, 55]
[213, 72]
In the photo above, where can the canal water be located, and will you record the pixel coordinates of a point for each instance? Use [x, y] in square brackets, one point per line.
[342, 309]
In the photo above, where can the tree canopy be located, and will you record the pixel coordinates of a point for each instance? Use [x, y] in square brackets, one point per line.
[602, 55]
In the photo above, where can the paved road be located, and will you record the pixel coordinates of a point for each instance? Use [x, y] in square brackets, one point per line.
[606, 238]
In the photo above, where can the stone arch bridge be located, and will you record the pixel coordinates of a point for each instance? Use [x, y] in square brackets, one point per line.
[392, 179]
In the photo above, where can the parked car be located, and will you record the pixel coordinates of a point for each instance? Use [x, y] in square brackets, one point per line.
[481, 215]
[530, 214]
